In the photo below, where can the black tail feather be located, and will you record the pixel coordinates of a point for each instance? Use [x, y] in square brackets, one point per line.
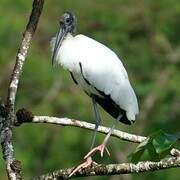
[114, 110]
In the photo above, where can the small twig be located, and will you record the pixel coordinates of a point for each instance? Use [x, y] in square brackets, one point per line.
[175, 152]
[114, 169]
[13, 166]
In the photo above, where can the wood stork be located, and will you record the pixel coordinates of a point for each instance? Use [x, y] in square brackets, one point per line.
[99, 72]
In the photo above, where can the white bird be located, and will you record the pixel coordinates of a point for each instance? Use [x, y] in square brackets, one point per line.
[99, 72]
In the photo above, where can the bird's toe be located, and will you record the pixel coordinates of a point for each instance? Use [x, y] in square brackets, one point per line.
[89, 162]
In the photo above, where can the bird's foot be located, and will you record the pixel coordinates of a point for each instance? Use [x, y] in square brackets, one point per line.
[88, 162]
[100, 148]
[88, 159]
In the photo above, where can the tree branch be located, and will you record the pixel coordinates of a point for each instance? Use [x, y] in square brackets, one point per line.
[85, 125]
[114, 169]
[23, 49]
[13, 166]
[26, 116]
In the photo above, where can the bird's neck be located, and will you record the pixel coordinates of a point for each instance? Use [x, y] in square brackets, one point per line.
[69, 36]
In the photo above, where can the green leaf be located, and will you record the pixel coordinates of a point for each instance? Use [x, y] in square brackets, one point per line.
[135, 156]
[163, 141]
[157, 146]
[152, 153]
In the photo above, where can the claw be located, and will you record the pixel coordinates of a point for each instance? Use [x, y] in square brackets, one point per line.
[98, 148]
[84, 165]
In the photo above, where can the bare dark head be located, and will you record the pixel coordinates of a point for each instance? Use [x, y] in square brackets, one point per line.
[68, 21]
[67, 25]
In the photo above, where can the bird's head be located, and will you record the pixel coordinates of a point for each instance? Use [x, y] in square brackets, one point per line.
[67, 25]
[68, 21]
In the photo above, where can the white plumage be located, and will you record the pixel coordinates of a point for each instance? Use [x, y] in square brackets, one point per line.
[96, 68]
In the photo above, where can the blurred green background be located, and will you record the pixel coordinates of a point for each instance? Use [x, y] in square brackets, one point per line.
[144, 33]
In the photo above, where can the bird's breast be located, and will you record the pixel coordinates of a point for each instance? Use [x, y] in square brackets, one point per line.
[67, 55]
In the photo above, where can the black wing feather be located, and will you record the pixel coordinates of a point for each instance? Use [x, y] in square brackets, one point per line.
[73, 78]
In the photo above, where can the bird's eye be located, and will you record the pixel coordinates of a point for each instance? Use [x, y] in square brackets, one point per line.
[68, 20]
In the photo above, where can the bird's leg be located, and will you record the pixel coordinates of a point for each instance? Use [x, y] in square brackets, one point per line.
[98, 120]
[88, 161]
[102, 146]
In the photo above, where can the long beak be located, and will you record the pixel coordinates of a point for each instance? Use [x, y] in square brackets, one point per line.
[59, 38]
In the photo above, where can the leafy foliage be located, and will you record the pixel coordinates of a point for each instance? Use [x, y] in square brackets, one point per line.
[157, 146]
